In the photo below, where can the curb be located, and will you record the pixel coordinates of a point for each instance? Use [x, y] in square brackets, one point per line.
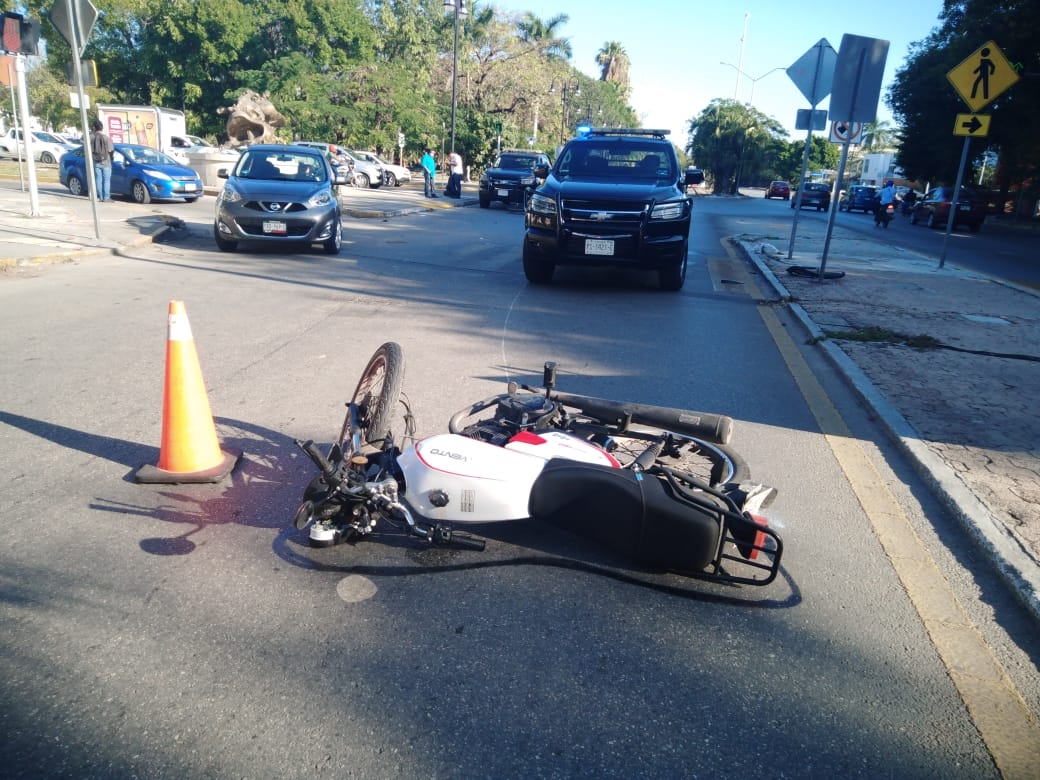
[1017, 569]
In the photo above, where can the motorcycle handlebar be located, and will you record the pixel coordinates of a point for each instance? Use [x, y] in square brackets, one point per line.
[311, 449]
[716, 428]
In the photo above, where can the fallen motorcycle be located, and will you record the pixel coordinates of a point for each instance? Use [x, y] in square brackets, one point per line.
[655, 484]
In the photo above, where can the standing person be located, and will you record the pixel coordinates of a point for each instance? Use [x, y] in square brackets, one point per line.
[454, 189]
[429, 172]
[101, 148]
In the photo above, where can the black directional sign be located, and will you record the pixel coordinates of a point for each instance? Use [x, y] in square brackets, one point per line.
[974, 125]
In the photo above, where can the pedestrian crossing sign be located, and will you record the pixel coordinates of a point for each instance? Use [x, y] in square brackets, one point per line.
[983, 76]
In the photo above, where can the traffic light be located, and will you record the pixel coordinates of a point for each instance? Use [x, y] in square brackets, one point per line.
[21, 35]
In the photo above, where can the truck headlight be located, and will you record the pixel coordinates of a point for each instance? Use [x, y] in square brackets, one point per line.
[540, 204]
[672, 210]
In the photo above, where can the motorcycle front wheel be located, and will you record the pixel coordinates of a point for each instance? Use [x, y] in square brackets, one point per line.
[376, 396]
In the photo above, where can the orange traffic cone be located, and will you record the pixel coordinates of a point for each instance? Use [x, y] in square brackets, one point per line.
[189, 451]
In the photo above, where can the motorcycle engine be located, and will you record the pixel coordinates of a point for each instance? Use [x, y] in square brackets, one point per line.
[513, 414]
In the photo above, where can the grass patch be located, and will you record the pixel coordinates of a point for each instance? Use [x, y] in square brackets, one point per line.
[873, 333]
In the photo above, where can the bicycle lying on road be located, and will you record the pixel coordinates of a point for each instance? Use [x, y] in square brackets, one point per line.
[657, 485]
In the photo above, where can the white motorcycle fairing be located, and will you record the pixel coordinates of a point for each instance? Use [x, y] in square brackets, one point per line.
[458, 479]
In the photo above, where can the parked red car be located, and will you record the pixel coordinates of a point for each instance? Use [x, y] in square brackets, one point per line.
[934, 209]
[779, 189]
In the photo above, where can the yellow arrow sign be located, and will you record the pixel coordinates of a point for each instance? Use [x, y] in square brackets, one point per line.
[975, 125]
[982, 76]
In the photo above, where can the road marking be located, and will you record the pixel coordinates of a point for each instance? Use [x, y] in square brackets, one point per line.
[1002, 717]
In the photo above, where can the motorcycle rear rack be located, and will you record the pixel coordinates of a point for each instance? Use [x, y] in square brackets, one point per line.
[750, 558]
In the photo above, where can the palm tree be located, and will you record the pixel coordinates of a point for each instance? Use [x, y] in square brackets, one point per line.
[613, 63]
[878, 136]
[543, 35]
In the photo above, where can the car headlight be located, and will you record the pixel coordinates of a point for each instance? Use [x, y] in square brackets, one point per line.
[157, 175]
[320, 198]
[228, 194]
[540, 204]
[671, 210]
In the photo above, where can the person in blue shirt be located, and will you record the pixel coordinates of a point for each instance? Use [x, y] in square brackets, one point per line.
[429, 169]
[886, 198]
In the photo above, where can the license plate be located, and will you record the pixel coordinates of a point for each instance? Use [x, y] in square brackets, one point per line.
[274, 226]
[189, 187]
[596, 246]
[503, 193]
[963, 207]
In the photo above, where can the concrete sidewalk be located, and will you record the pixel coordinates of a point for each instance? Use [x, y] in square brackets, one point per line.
[946, 359]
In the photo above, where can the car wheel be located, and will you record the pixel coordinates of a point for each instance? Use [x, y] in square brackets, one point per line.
[190, 200]
[767, 196]
[222, 243]
[362, 180]
[931, 220]
[485, 201]
[139, 192]
[391, 181]
[47, 158]
[76, 185]
[537, 269]
[672, 277]
[335, 241]
[913, 217]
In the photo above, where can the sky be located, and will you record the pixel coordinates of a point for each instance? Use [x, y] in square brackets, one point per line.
[676, 48]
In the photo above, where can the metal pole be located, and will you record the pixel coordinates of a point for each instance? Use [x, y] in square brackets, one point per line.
[805, 157]
[23, 105]
[454, 73]
[740, 61]
[953, 203]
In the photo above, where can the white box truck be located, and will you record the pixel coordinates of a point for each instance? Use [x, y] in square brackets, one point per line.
[148, 125]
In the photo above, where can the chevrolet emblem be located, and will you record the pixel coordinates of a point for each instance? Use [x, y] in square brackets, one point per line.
[600, 216]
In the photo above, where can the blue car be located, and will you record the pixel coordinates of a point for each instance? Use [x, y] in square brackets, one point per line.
[140, 173]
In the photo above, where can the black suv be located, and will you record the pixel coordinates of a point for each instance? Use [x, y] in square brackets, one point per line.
[511, 177]
[616, 197]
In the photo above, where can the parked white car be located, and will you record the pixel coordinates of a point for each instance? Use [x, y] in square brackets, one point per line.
[47, 147]
[394, 175]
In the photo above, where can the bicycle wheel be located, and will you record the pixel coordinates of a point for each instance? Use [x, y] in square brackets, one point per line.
[376, 395]
[714, 464]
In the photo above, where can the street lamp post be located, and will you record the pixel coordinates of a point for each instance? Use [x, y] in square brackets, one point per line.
[754, 82]
[567, 92]
[458, 9]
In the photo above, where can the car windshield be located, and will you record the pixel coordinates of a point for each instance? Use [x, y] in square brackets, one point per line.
[817, 188]
[516, 162]
[281, 166]
[145, 155]
[49, 138]
[614, 160]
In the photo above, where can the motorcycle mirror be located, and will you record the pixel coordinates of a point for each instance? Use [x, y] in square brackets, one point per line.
[548, 376]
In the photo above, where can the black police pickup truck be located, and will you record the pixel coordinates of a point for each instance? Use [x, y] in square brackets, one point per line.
[511, 177]
[616, 197]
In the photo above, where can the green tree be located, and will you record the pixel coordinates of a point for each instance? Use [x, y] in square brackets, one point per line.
[734, 142]
[925, 104]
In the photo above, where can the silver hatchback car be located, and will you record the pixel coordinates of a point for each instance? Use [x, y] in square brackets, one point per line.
[279, 194]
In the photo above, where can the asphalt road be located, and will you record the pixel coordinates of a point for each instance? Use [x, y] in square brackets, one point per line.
[189, 631]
